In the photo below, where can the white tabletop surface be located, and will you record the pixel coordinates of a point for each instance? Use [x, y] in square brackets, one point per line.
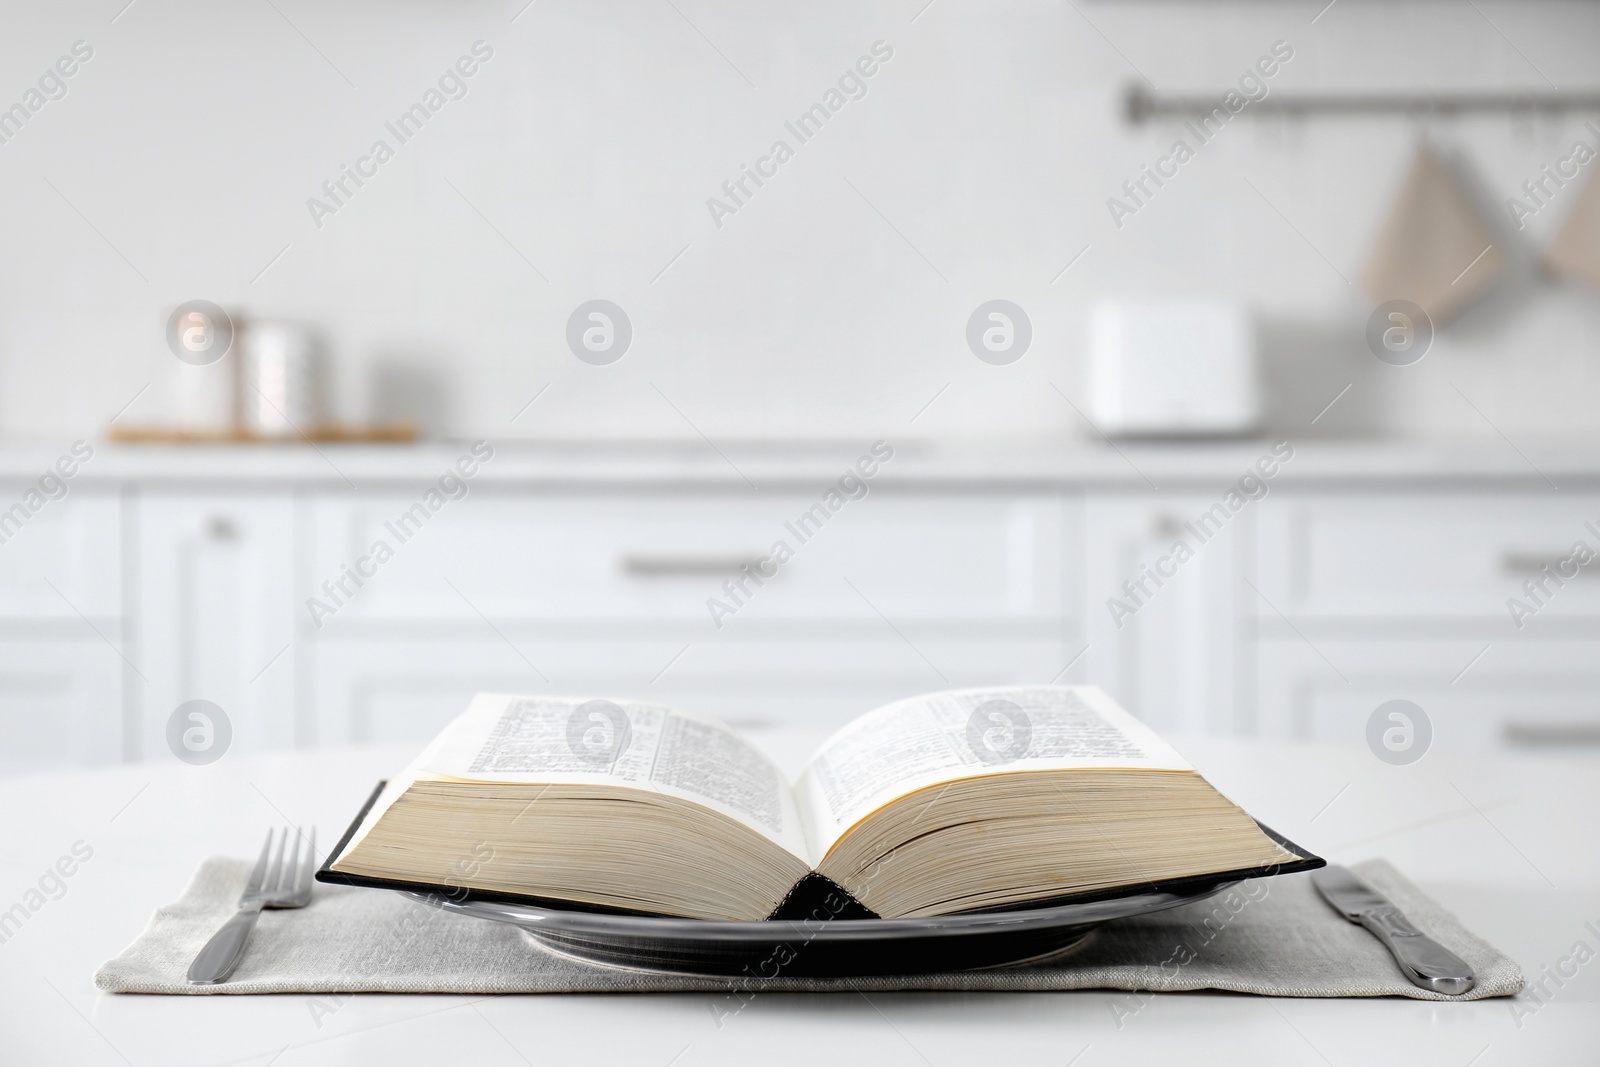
[1507, 843]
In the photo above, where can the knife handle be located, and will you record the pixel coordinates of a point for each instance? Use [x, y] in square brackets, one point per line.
[1426, 962]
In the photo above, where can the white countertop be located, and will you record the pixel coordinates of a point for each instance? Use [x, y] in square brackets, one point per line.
[1507, 843]
[738, 465]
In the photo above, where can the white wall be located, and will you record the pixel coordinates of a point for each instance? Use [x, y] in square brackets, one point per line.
[193, 138]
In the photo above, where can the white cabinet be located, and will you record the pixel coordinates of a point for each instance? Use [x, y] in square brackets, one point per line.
[1300, 614]
[606, 595]
[62, 563]
[116, 606]
[65, 653]
[216, 582]
[60, 704]
[1427, 555]
[406, 690]
[658, 558]
[1386, 596]
[1161, 623]
[1523, 694]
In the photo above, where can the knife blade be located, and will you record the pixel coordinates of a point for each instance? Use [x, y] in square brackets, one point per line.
[1425, 962]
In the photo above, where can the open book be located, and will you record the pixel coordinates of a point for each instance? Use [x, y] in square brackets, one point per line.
[957, 801]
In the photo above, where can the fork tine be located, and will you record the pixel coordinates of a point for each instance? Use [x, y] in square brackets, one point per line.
[257, 875]
[275, 872]
[291, 859]
[310, 865]
[293, 870]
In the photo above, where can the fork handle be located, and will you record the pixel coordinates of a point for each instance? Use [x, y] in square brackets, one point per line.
[216, 961]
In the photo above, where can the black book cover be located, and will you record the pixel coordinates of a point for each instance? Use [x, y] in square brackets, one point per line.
[813, 887]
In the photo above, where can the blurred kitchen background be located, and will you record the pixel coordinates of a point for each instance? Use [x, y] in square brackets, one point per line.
[1155, 350]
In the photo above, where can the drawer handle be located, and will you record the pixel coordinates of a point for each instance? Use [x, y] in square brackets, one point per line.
[1551, 735]
[1515, 562]
[643, 566]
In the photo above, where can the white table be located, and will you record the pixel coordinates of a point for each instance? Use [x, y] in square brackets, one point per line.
[1508, 843]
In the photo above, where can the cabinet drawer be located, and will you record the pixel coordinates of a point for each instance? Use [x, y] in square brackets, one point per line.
[1457, 555]
[60, 705]
[405, 691]
[1529, 694]
[554, 558]
[73, 544]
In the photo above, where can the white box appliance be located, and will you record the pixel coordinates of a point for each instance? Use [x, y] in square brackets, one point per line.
[1175, 368]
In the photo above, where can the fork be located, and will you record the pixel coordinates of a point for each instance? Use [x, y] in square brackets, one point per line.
[280, 885]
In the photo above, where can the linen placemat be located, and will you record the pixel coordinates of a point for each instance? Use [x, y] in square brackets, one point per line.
[1274, 937]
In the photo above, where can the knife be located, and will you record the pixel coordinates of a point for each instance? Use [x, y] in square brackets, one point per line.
[1426, 962]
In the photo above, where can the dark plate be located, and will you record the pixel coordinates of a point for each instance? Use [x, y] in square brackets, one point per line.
[838, 948]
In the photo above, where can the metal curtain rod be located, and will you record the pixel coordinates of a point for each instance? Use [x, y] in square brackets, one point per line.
[1141, 105]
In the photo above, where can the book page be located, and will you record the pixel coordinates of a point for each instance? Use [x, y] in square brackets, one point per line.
[945, 737]
[537, 739]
